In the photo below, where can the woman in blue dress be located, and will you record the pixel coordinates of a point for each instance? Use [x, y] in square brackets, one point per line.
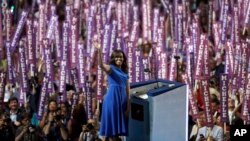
[115, 108]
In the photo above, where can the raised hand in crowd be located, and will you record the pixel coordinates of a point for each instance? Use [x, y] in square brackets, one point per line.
[52, 107]
[27, 131]
[89, 132]
[96, 43]
[55, 128]
[40, 65]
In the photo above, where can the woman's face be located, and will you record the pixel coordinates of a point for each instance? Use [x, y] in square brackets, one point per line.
[146, 50]
[218, 121]
[63, 109]
[119, 59]
[52, 106]
[81, 98]
[25, 121]
[2, 120]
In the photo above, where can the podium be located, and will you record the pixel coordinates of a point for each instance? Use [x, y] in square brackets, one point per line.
[159, 111]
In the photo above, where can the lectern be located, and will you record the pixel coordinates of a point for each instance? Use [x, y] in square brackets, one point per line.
[159, 111]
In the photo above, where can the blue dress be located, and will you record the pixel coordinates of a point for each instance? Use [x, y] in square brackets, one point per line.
[113, 120]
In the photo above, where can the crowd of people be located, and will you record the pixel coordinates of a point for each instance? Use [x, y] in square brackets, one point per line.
[58, 123]
[61, 121]
[68, 120]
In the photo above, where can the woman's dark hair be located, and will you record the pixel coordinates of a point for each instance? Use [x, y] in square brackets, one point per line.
[79, 114]
[25, 115]
[67, 106]
[116, 53]
[51, 100]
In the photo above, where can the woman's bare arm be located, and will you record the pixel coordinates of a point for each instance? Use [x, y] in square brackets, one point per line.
[103, 66]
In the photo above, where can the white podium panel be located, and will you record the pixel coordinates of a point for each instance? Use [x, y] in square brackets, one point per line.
[159, 111]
